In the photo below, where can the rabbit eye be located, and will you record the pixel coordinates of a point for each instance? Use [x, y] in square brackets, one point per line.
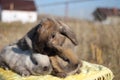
[34, 61]
[53, 35]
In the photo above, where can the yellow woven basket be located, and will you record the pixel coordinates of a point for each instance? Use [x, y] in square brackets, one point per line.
[89, 71]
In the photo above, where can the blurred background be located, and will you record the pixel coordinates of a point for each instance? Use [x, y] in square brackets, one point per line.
[95, 22]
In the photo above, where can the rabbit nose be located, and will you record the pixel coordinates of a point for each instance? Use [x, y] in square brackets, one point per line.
[45, 68]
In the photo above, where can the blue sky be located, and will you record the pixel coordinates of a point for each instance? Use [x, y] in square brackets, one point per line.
[81, 10]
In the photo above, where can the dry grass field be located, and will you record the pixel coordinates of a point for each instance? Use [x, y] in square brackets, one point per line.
[98, 43]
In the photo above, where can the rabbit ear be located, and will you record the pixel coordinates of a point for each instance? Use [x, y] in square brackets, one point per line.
[27, 41]
[33, 31]
[66, 31]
